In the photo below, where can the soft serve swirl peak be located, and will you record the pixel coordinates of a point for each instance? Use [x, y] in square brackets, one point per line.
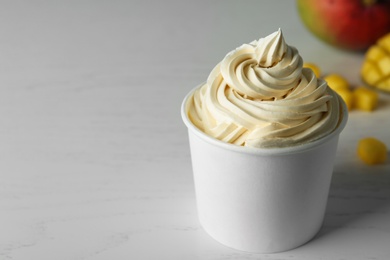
[260, 96]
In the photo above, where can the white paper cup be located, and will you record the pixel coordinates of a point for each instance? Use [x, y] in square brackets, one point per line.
[261, 200]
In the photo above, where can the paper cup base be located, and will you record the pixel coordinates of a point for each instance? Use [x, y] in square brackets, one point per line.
[261, 203]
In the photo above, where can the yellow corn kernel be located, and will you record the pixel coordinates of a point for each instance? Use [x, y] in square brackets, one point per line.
[372, 151]
[365, 99]
[347, 96]
[336, 81]
[313, 67]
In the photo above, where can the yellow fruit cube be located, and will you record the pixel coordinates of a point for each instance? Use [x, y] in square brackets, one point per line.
[384, 42]
[375, 53]
[336, 81]
[370, 73]
[365, 99]
[372, 151]
[347, 96]
[384, 65]
[384, 85]
[314, 68]
[375, 69]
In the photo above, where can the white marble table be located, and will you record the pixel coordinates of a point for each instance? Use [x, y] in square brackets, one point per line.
[94, 158]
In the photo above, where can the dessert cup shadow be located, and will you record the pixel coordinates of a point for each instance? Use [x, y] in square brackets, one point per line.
[354, 197]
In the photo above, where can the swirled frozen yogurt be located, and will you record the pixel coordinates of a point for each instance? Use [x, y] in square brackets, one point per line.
[260, 96]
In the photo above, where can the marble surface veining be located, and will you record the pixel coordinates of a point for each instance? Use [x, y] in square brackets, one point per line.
[94, 158]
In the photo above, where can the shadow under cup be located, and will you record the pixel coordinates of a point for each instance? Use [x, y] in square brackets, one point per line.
[261, 200]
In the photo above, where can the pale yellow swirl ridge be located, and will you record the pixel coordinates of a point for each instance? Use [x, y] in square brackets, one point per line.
[260, 96]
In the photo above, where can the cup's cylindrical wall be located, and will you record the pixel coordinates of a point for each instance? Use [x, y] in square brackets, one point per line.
[261, 200]
[261, 203]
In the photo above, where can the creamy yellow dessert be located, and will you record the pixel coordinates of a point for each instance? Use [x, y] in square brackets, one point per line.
[260, 95]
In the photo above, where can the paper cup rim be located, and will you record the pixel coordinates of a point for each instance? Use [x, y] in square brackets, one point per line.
[299, 148]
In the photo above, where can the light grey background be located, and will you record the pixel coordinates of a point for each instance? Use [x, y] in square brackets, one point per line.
[94, 158]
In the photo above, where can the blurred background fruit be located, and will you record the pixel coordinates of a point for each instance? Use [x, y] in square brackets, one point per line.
[375, 70]
[348, 24]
